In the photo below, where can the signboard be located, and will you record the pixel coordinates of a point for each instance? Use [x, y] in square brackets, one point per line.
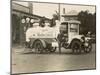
[41, 32]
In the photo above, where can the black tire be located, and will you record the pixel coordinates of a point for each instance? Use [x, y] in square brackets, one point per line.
[38, 46]
[53, 50]
[76, 47]
[88, 49]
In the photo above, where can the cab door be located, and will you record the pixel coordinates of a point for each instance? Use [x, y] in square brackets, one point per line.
[73, 30]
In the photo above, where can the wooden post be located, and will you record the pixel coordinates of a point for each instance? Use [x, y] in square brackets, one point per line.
[59, 10]
[30, 7]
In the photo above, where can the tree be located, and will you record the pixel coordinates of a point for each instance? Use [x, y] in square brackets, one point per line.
[87, 22]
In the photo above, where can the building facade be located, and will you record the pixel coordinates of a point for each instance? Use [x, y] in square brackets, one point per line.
[19, 16]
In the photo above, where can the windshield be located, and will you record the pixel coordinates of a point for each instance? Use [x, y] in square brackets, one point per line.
[73, 27]
[64, 27]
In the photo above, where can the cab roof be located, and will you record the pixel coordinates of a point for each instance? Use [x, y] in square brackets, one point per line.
[71, 21]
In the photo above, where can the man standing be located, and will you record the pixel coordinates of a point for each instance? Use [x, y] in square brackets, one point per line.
[60, 38]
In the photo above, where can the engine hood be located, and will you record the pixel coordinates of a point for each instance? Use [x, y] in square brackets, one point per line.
[78, 36]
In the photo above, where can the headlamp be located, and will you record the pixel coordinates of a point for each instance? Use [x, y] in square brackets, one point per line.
[83, 39]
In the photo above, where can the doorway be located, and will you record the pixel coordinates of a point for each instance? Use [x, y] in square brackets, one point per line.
[15, 29]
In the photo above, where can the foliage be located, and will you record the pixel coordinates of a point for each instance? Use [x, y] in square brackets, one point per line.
[88, 22]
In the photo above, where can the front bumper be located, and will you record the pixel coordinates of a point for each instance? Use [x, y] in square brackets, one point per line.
[86, 44]
[54, 44]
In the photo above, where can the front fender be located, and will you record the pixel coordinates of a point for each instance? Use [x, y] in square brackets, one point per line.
[78, 37]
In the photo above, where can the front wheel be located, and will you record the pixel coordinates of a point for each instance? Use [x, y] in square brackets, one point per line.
[88, 49]
[76, 47]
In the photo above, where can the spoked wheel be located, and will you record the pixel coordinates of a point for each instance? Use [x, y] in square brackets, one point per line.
[38, 47]
[76, 47]
[88, 49]
[50, 50]
[53, 50]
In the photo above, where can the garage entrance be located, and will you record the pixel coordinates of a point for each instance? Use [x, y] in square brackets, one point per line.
[15, 29]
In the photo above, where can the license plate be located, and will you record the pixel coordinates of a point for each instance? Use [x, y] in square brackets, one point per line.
[86, 44]
[54, 44]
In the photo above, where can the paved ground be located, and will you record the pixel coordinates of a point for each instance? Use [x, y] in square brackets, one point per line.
[30, 62]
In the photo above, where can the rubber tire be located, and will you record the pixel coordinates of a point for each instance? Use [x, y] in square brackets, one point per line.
[88, 51]
[38, 46]
[76, 47]
[53, 50]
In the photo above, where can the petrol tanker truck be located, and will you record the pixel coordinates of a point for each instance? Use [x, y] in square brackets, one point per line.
[44, 39]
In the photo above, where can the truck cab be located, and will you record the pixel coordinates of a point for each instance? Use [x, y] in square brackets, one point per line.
[74, 40]
[70, 28]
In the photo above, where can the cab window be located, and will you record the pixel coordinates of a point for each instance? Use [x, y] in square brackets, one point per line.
[73, 27]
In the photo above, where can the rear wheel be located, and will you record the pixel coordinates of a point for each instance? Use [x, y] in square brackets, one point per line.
[76, 47]
[38, 46]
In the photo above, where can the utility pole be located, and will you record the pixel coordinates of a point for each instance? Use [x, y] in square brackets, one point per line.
[30, 7]
[64, 11]
[59, 11]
